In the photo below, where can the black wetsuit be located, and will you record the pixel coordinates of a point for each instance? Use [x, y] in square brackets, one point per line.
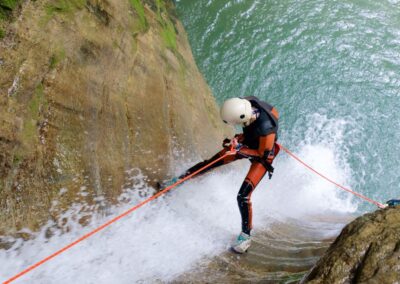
[265, 125]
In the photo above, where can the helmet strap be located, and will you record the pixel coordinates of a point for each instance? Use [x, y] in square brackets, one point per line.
[254, 116]
[256, 112]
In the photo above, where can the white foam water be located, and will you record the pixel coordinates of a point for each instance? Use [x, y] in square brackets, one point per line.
[170, 235]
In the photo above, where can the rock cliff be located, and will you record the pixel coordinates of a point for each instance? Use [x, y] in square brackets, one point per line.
[366, 251]
[89, 90]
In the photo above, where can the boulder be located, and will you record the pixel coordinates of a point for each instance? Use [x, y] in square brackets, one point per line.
[366, 251]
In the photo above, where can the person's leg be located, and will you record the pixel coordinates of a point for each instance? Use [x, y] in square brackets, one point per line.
[198, 166]
[224, 161]
[254, 176]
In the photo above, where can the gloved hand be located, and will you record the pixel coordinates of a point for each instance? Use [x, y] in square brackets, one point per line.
[239, 137]
[226, 143]
[236, 145]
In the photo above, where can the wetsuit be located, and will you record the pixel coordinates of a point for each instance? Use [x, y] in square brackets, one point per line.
[259, 147]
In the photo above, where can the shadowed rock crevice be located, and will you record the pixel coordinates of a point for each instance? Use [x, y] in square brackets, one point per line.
[359, 267]
[99, 10]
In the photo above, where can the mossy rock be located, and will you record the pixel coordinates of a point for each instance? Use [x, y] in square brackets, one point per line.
[366, 251]
[64, 6]
[56, 58]
[139, 9]
[168, 32]
[7, 7]
[9, 4]
[67, 97]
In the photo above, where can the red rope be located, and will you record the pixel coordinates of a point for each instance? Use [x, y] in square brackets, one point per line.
[30, 268]
[380, 205]
[229, 153]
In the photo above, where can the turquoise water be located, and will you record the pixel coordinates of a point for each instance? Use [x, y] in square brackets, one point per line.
[332, 68]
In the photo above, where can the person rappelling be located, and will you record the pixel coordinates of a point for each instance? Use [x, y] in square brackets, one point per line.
[257, 143]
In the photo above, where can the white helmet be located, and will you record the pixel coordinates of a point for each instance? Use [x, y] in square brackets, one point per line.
[236, 111]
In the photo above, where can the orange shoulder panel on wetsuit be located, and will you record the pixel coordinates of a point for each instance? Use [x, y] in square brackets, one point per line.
[266, 143]
[275, 112]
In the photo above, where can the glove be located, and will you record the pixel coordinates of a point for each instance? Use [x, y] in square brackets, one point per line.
[239, 137]
[226, 143]
[238, 146]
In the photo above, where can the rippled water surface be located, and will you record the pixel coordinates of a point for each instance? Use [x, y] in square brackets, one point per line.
[331, 67]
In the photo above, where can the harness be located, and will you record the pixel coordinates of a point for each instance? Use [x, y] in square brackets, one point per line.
[267, 123]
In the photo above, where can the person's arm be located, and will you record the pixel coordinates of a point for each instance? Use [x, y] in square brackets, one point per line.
[266, 144]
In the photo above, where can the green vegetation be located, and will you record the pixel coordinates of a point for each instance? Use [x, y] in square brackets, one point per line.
[169, 35]
[163, 10]
[53, 61]
[9, 4]
[17, 159]
[64, 6]
[168, 29]
[56, 58]
[29, 133]
[6, 8]
[139, 9]
[37, 100]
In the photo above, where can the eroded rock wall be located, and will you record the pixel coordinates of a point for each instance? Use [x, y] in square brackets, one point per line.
[88, 91]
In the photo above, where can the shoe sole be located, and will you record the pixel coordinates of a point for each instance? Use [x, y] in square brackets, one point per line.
[232, 249]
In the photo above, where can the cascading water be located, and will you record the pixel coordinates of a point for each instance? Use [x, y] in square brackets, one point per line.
[332, 70]
[180, 231]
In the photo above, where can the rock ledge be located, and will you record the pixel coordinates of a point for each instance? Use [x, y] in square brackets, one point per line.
[366, 251]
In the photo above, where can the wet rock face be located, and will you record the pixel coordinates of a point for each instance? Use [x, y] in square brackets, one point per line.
[89, 90]
[367, 251]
